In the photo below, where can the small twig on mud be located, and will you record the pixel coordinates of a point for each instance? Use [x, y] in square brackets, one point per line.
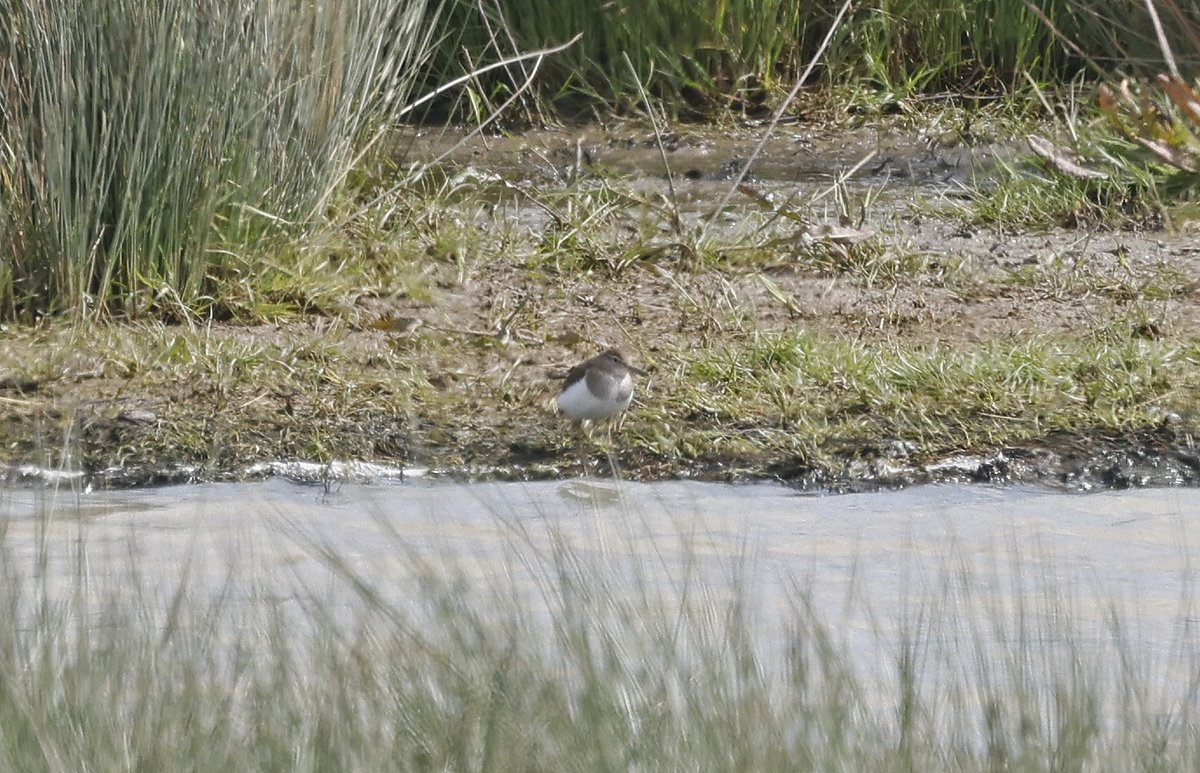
[842, 178]
[662, 151]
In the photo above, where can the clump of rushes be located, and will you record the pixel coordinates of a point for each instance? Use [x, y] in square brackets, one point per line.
[149, 147]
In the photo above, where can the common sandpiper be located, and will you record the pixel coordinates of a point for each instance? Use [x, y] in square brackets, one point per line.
[598, 388]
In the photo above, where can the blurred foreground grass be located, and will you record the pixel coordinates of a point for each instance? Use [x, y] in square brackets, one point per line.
[602, 668]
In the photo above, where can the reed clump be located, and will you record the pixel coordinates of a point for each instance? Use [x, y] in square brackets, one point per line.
[150, 148]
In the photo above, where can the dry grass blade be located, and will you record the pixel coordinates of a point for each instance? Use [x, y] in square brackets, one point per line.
[1180, 159]
[778, 114]
[1182, 95]
[1062, 160]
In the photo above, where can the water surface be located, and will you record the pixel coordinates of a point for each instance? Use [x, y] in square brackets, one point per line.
[864, 560]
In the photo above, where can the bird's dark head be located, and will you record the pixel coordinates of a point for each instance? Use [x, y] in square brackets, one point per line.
[614, 357]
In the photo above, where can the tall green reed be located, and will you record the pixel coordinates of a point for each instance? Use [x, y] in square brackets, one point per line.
[697, 57]
[706, 58]
[915, 46]
[147, 145]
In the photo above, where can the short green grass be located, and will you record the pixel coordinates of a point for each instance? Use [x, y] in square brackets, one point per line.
[224, 399]
[1031, 196]
[775, 395]
[1100, 173]
[216, 400]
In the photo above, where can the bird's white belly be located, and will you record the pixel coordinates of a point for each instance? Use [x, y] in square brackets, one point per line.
[578, 403]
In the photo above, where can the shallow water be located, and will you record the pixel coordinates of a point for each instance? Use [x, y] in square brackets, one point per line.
[961, 591]
[862, 558]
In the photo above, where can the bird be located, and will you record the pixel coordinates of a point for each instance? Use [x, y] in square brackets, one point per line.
[599, 388]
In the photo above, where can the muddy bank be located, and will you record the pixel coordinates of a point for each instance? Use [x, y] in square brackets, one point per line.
[1081, 462]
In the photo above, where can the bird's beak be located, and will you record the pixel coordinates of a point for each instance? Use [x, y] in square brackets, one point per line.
[636, 370]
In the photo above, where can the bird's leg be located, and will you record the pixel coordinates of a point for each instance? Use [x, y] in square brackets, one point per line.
[581, 439]
[613, 468]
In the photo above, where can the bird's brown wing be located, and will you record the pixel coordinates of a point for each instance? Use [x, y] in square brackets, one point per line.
[575, 373]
